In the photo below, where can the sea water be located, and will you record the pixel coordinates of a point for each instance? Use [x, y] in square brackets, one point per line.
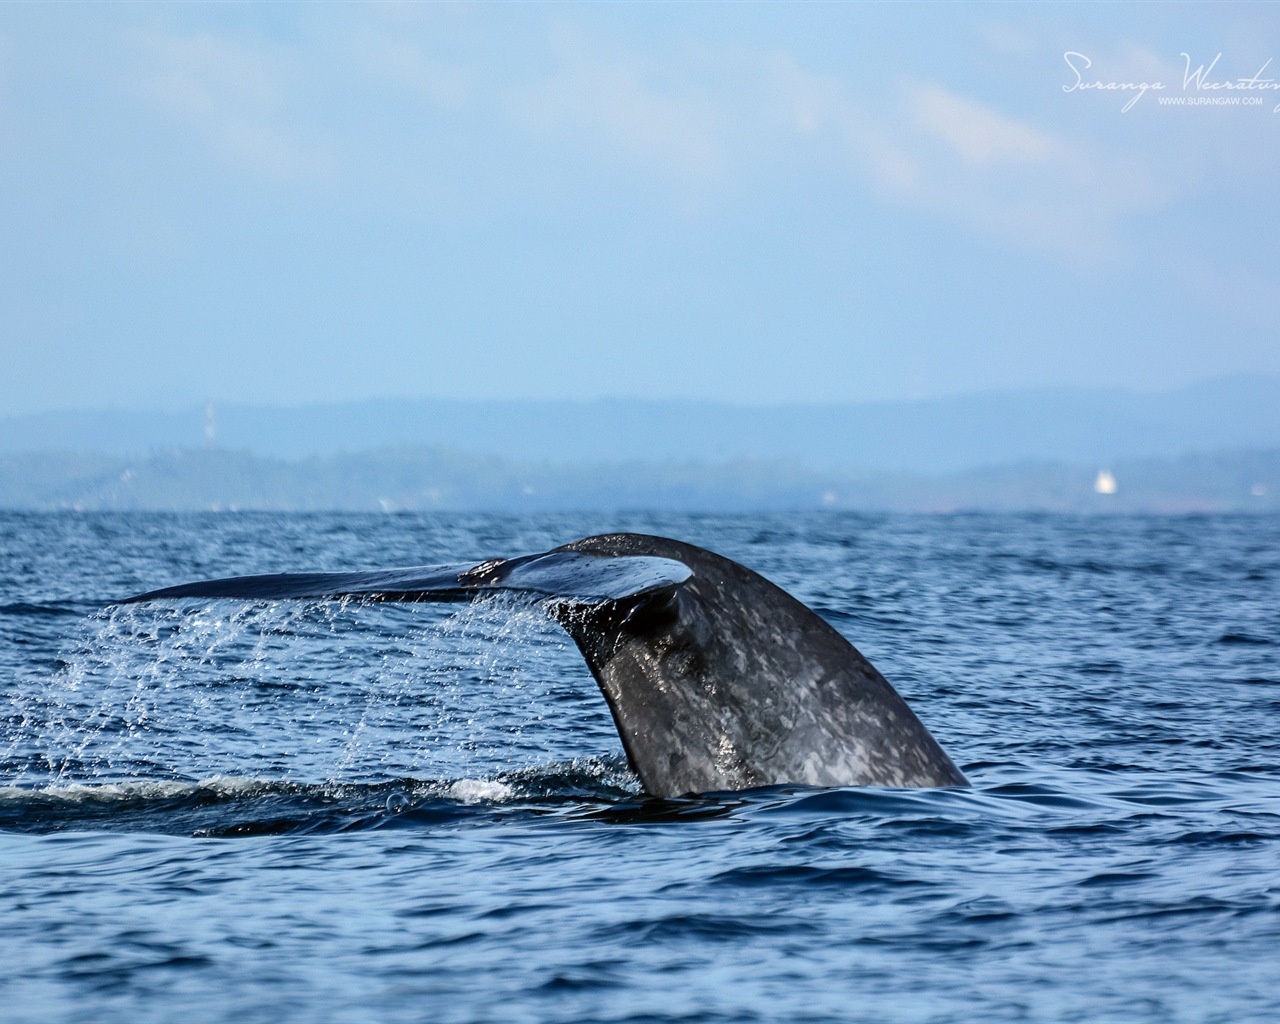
[220, 811]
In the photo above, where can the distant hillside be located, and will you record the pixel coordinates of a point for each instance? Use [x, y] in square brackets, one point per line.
[423, 478]
[937, 436]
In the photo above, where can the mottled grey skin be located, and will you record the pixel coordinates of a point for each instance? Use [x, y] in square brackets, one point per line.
[717, 679]
[727, 682]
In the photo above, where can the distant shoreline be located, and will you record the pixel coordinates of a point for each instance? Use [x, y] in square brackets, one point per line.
[425, 479]
[1084, 427]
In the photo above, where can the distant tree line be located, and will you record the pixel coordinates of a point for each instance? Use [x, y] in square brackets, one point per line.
[411, 478]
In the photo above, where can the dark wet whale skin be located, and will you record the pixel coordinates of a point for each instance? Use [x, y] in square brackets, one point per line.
[727, 682]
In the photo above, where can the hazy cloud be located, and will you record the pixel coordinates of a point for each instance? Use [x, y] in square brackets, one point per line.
[232, 96]
[979, 134]
[627, 103]
[405, 63]
[928, 147]
[1023, 184]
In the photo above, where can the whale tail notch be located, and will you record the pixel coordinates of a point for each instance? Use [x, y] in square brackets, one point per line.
[716, 678]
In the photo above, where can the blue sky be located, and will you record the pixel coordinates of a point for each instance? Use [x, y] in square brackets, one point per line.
[292, 203]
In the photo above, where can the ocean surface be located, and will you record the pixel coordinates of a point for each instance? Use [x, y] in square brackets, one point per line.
[218, 811]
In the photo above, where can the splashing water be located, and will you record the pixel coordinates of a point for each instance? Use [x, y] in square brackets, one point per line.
[306, 693]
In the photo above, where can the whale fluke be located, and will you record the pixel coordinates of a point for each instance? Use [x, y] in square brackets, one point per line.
[563, 574]
[717, 679]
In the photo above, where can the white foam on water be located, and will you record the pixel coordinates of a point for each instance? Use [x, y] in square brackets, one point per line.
[475, 791]
[140, 790]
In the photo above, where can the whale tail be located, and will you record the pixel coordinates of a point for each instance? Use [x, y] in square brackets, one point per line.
[717, 679]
